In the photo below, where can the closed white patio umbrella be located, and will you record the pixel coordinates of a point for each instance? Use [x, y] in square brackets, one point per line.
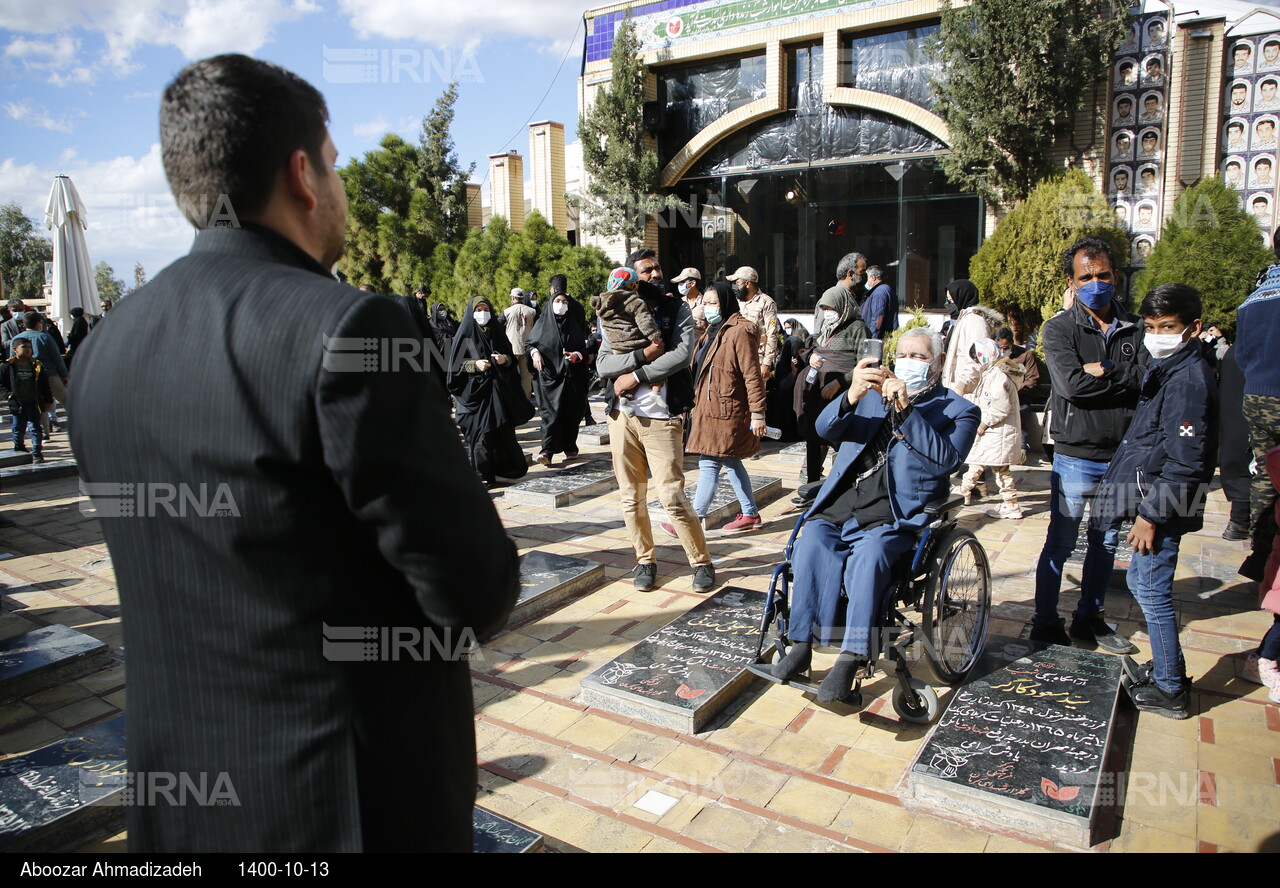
[73, 280]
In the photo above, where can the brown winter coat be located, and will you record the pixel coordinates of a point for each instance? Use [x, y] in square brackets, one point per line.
[729, 393]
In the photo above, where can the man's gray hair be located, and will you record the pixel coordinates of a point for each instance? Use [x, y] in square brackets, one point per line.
[875, 272]
[847, 264]
[935, 341]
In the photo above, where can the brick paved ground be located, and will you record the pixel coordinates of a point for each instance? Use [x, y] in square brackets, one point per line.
[775, 771]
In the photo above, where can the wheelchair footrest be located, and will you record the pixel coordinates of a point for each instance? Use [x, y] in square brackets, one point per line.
[764, 670]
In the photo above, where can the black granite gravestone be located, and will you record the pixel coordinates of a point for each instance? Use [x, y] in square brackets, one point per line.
[46, 656]
[10, 460]
[553, 490]
[546, 579]
[495, 834]
[1023, 740]
[596, 434]
[683, 674]
[1124, 552]
[724, 504]
[63, 792]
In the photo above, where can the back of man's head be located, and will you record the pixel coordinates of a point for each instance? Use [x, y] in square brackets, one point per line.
[32, 320]
[875, 273]
[228, 126]
[559, 284]
[77, 312]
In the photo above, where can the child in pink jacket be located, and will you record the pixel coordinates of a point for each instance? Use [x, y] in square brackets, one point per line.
[1261, 665]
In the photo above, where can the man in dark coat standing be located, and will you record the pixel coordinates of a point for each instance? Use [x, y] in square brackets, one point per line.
[302, 562]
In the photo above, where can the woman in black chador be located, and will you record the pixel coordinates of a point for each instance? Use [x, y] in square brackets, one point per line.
[485, 385]
[556, 350]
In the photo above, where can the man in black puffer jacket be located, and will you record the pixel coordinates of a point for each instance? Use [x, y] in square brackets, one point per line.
[1094, 354]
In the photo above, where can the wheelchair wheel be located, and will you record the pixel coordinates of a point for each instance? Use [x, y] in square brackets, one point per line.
[919, 707]
[957, 605]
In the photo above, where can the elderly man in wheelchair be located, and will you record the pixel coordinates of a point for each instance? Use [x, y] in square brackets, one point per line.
[901, 435]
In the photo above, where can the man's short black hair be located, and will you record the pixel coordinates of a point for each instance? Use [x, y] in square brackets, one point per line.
[32, 320]
[559, 284]
[424, 290]
[228, 125]
[1092, 247]
[1173, 299]
[15, 304]
[641, 254]
[1003, 333]
[77, 312]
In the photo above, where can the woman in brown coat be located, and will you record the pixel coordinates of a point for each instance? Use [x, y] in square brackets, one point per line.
[728, 411]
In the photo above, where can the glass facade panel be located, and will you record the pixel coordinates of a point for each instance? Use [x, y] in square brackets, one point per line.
[699, 95]
[793, 226]
[896, 63]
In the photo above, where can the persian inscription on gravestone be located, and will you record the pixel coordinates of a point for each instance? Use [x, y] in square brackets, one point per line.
[688, 670]
[553, 490]
[1023, 740]
[494, 834]
[49, 796]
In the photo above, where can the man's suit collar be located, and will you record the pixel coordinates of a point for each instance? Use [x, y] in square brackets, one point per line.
[256, 241]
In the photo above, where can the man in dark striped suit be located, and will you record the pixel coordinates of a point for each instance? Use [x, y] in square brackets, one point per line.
[304, 556]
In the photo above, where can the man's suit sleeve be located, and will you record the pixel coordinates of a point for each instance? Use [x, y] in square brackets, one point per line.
[394, 451]
[945, 452]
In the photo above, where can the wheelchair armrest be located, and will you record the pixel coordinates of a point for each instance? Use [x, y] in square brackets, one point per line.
[944, 504]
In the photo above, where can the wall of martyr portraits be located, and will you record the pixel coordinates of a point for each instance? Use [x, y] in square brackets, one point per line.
[1251, 117]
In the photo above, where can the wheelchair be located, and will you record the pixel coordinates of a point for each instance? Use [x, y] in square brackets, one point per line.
[946, 579]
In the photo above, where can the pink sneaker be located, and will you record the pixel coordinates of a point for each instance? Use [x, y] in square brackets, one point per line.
[742, 522]
[1005, 511]
[1250, 671]
[1270, 675]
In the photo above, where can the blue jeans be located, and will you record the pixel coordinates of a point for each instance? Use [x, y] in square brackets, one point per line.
[29, 413]
[1151, 582]
[1071, 484]
[709, 478]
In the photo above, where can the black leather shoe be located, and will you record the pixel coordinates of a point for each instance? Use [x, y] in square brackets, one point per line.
[646, 577]
[1236, 532]
[1094, 630]
[704, 577]
[1052, 633]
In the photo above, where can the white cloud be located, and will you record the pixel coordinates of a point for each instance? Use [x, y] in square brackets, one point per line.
[371, 129]
[463, 25]
[196, 27]
[37, 116]
[130, 213]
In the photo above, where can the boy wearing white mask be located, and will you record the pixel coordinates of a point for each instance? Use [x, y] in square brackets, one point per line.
[1160, 477]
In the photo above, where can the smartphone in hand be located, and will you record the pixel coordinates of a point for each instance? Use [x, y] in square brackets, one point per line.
[872, 348]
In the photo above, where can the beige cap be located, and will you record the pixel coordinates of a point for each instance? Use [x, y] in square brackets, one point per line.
[516, 292]
[745, 273]
[687, 274]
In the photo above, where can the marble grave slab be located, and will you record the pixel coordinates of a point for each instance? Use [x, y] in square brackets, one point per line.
[724, 505]
[681, 676]
[46, 656]
[495, 834]
[555, 489]
[1023, 741]
[596, 434]
[546, 579]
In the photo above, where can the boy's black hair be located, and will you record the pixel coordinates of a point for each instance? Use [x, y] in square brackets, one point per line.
[27, 342]
[1092, 247]
[1003, 333]
[1173, 299]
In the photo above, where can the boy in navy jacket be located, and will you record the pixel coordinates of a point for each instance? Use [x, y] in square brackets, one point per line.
[1159, 477]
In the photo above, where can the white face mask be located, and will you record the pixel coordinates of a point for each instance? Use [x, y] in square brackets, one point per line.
[829, 316]
[1162, 345]
[684, 287]
[559, 307]
[914, 373]
[482, 317]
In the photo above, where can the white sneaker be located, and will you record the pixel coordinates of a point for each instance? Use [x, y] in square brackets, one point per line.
[1005, 511]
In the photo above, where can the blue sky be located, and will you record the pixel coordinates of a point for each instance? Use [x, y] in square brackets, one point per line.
[80, 82]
